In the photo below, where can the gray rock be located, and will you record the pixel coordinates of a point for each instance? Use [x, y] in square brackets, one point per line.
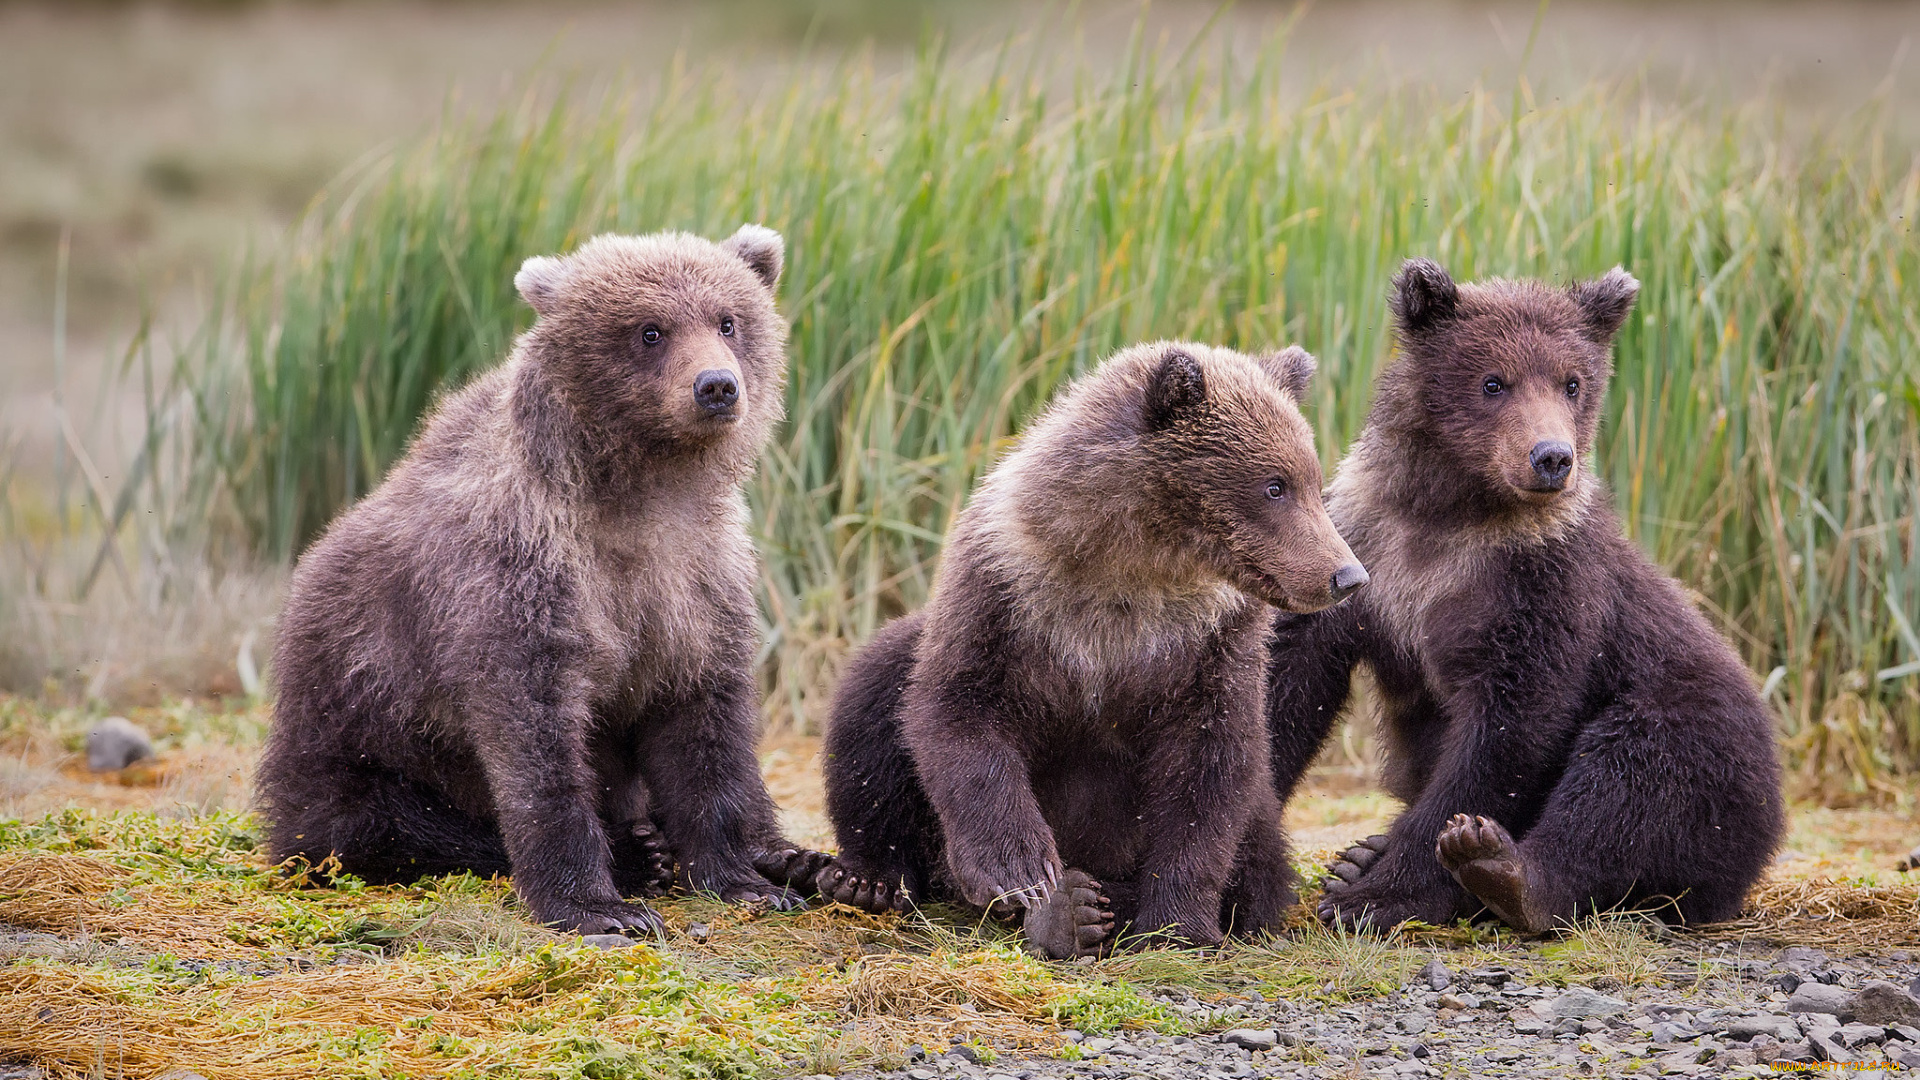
[1461, 1000]
[1529, 1025]
[1767, 1024]
[608, 941]
[1814, 997]
[1907, 1058]
[1580, 1003]
[1097, 1046]
[1413, 1022]
[1435, 975]
[1252, 1038]
[1800, 958]
[1852, 1035]
[968, 1053]
[922, 1074]
[1904, 1032]
[116, 743]
[1882, 1002]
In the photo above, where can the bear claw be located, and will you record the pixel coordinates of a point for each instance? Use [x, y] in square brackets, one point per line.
[1075, 920]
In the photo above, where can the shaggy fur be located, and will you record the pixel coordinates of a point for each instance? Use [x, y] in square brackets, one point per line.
[1567, 732]
[530, 649]
[1080, 701]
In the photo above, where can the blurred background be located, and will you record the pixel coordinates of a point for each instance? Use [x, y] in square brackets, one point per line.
[243, 245]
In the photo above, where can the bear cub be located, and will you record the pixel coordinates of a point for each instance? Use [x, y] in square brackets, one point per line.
[1568, 734]
[530, 650]
[1074, 722]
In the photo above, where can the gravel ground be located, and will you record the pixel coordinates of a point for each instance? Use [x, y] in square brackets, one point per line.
[1718, 1012]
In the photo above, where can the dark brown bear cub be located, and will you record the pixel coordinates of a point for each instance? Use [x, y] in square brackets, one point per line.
[1568, 734]
[1074, 723]
[530, 649]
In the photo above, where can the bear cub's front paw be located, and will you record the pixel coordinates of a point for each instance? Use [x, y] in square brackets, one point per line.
[609, 917]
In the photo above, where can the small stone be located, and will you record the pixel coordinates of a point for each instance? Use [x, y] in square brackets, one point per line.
[1490, 976]
[922, 1074]
[1000, 1076]
[1435, 975]
[608, 941]
[1800, 957]
[1579, 1002]
[116, 743]
[1882, 1002]
[1072, 1035]
[1504, 1054]
[1852, 1035]
[971, 1055]
[1252, 1038]
[1908, 1058]
[916, 1052]
[1904, 1032]
[1462, 1001]
[1097, 1046]
[1414, 1022]
[1529, 1025]
[1814, 997]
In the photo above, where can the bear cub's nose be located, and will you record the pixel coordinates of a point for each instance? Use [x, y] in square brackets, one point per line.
[1347, 579]
[1552, 462]
[716, 391]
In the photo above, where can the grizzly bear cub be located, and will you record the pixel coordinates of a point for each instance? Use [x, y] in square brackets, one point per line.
[1074, 723]
[530, 650]
[1568, 734]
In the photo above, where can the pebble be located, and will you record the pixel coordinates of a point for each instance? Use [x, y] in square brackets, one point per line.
[608, 941]
[1435, 975]
[116, 743]
[1462, 1001]
[1815, 997]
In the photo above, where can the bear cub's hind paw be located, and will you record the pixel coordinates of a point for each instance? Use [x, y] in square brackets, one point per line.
[794, 867]
[873, 895]
[1076, 920]
[1485, 860]
[643, 864]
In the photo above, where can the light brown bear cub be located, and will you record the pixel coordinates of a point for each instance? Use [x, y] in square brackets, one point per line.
[530, 649]
[1074, 723]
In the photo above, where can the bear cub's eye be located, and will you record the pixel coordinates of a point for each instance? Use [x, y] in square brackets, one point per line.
[1276, 489]
[726, 326]
[650, 334]
[1493, 386]
[1573, 387]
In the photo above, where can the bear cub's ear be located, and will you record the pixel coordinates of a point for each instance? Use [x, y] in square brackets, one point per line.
[1424, 295]
[762, 249]
[1293, 368]
[1604, 302]
[539, 282]
[1175, 390]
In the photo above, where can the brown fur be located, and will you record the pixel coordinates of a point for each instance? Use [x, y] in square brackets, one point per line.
[1083, 688]
[1568, 733]
[530, 648]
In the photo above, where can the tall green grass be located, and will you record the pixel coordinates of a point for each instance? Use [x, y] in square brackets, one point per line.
[963, 238]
